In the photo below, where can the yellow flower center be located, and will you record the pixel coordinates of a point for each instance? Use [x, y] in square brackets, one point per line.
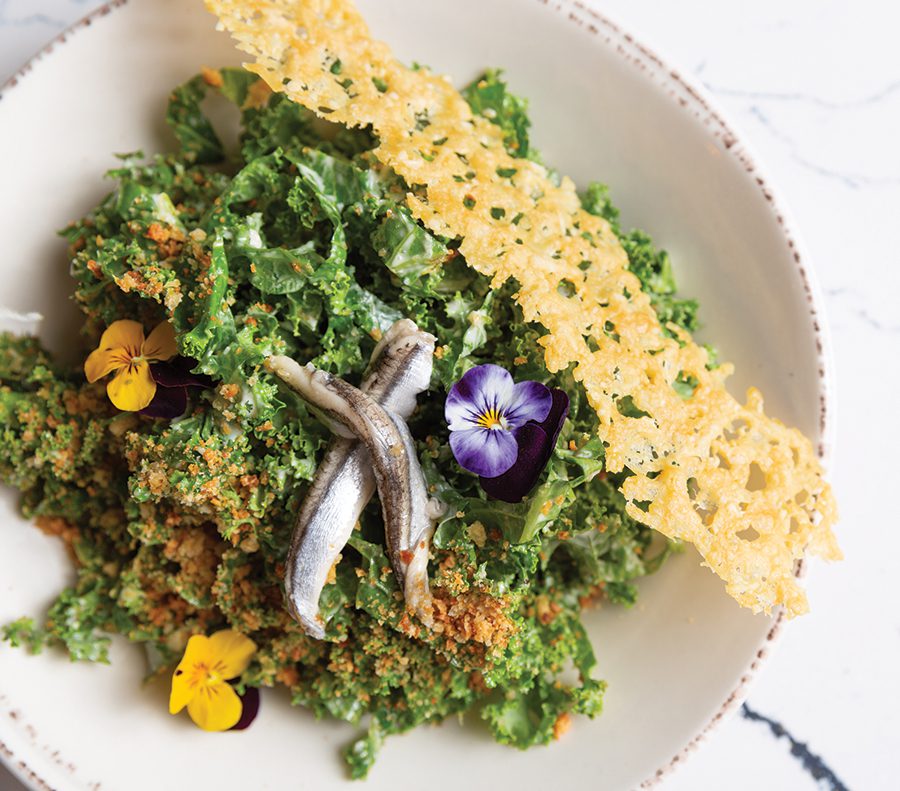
[127, 358]
[203, 675]
[492, 419]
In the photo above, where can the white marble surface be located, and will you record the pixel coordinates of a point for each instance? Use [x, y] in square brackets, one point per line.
[815, 87]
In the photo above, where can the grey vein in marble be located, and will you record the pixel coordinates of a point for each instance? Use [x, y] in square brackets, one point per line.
[809, 98]
[851, 180]
[813, 764]
[861, 312]
[31, 19]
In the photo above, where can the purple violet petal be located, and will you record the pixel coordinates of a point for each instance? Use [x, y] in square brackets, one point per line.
[177, 373]
[488, 452]
[556, 417]
[168, 403]
[479, 390]
[530, 401]
[249, 710]
[535, 442]
[519, 479]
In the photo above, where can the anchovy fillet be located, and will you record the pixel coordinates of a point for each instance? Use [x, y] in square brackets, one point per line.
[346, 478]
[339, 492]
[409, 542]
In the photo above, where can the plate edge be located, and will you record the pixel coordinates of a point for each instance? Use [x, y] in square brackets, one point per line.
[696, 100]
[18, 767]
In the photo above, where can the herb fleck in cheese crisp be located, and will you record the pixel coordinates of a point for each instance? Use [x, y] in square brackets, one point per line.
[692, 459]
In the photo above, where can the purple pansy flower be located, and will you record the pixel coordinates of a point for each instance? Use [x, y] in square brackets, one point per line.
[536, 442]
[173, 378]
[485, 410]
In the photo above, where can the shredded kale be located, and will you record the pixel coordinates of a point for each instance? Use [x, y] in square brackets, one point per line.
[490, 97]
[300, 243]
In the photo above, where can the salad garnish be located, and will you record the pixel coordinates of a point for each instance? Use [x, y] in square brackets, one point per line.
[503, 431]
[125, 351]
[536, 441]
[484, 411]
[201, 680]
[173, 381]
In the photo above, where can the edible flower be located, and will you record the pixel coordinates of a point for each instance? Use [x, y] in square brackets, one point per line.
[173, 379]
[124, 350]
[484, 411]
[536, 442]
[249, 709]
[200, 681]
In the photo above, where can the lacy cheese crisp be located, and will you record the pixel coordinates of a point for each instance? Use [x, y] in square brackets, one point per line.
[744, 489]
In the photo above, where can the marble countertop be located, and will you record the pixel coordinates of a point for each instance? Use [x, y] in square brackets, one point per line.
[815, 87]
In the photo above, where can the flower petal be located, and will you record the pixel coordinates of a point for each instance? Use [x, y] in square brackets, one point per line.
[518, 480]
[215, 707]
[168, 403]
[480, 389]
[249, 708]
[100, 362]
[182, 692]
[132, 388]
[535, 442]
[196, 653]
[123, 334]
[484, 451]
[556, 417]
[232, 652]
[178, 373]
[530, 401]
[160, 345]
[121, 341]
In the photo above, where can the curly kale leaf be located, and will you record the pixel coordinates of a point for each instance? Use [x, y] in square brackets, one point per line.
[489, 96]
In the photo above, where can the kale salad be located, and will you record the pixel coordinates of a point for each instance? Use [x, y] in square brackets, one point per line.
[176, 487]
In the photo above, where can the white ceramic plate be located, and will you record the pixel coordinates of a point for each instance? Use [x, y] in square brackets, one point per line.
[603, 107]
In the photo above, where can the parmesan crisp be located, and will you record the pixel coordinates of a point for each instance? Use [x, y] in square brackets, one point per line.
[741, 487]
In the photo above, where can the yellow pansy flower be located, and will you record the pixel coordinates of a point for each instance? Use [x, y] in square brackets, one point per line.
[200, 681]
[124, 349]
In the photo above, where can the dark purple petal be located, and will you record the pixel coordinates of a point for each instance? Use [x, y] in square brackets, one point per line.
[484, 451]
[519, 479]
[530, 401]
[177, 373]
[535, 443]
[556, 417]
[168, 403]
[479, 390]
[250, 701]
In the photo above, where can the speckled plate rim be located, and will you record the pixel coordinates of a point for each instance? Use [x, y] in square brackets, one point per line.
[695, 100]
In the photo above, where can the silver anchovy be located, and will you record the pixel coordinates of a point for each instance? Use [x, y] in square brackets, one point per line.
[409, 542]
[400, 368]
